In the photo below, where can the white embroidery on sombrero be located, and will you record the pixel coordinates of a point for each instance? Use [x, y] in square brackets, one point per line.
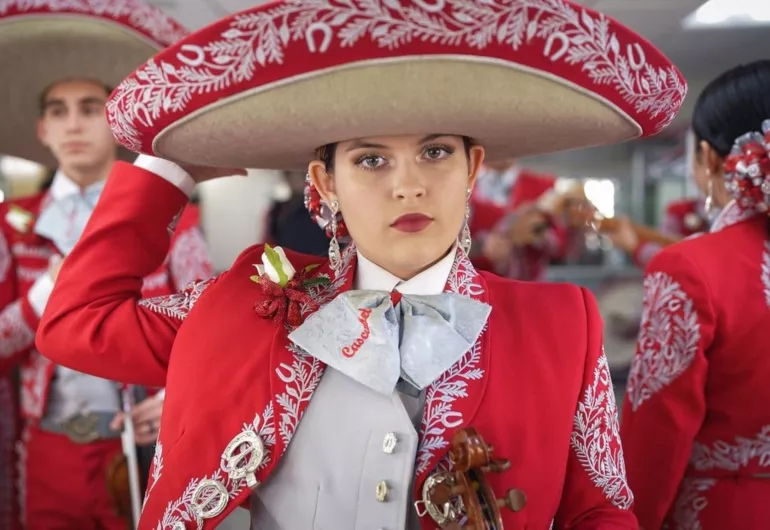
[249, 42]
[134, 14]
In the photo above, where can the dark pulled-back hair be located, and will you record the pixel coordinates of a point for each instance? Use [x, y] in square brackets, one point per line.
[733, 104]
[326, 153]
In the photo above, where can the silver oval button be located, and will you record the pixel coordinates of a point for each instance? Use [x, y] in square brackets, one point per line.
[382, 491]
[389, 443]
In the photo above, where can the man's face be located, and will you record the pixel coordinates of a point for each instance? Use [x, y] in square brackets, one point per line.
[74, 127]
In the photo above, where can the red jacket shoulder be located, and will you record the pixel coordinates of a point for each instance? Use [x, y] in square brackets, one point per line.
[703, 248]
[560, 311]
[538, 295]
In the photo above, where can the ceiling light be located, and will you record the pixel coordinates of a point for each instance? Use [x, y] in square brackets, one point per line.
[732, 13]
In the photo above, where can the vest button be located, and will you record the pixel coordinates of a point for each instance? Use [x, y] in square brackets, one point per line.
[382, 491]
[389, 443]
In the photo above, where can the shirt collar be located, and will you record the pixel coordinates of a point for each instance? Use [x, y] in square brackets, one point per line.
[63, 186]
[371, 276]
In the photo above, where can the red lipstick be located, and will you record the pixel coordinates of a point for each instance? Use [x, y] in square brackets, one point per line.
[412, 222]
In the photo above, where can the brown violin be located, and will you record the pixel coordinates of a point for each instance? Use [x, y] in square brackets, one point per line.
[127, 473]
[118, 485]
[472, 460]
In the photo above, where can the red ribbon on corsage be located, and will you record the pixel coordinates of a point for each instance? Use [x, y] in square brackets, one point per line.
[284, 303]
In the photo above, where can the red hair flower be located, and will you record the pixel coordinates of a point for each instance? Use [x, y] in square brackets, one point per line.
[747, 170]
[321, 214]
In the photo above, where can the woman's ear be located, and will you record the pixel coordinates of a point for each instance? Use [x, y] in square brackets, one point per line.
[322, 180]
[475, 161]
[713, 161]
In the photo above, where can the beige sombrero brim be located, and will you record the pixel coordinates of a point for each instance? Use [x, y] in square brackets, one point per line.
[265, 87]
[453, 94]
[38, 51]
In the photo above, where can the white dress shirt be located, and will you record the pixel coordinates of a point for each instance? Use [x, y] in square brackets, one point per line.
[372, 277]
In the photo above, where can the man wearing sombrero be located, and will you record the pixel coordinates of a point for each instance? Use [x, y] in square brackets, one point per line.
[64, 57]
[327, 393]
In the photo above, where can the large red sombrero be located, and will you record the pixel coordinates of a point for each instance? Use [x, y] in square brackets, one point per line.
[265, 87]
[46, 41]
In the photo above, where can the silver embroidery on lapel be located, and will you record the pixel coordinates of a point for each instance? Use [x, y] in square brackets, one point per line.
[596, 438]
[177, 305]
[668, 338]
[301, 380]
[732, 457]
[463, 278]
[304, 374]
[690, 502]
[181, 511]
[440, 397]
[766, 272]
[322, 294]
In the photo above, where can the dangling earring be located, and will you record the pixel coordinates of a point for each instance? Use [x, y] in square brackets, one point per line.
[465, 234]
[335, 256]
[709, 203]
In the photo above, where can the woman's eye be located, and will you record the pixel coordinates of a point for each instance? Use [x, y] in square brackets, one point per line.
[436, 153]
[372, 162]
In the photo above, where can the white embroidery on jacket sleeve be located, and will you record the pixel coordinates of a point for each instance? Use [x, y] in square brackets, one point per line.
[177, 305]
[596, 438]
[669, 337]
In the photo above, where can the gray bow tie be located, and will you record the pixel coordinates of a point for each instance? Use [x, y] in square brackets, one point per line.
[64, 220]
[361, 334]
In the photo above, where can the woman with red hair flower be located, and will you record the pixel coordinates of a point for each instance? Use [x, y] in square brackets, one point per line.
[696, 425]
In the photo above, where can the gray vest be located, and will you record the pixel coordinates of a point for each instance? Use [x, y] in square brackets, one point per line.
[75, 393]
[350, 465]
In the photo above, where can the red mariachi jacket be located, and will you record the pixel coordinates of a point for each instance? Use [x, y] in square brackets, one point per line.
[543, 399]
[684, 218]
[24, 258]
[696, 426]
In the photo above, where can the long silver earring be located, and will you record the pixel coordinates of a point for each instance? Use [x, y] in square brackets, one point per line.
[709, 203]
[465, 235]
[335, 256]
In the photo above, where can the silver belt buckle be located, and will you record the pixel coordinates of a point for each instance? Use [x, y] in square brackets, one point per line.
[81, 429]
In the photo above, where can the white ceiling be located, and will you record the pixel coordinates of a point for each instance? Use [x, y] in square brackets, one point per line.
[700, 54]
